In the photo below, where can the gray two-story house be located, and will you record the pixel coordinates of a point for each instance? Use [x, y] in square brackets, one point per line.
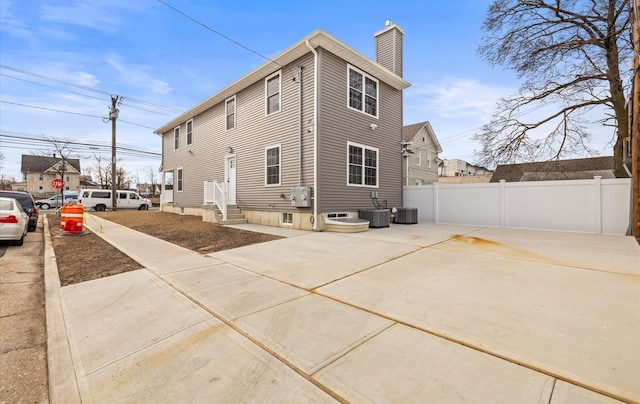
[316, 130]
[420, 151]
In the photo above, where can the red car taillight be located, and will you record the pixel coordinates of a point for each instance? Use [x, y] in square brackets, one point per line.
[9, 219]
[34, 211]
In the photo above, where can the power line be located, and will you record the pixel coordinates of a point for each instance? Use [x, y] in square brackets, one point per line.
[149, 104]
[51, 109]
[218, 33]
[81, 94]
[15, 139]
[73, 113]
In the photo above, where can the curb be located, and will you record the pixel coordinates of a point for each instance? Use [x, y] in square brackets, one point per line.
[63, 384]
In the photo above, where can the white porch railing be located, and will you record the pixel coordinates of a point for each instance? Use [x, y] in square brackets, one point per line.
[216, 192]
[166, 196]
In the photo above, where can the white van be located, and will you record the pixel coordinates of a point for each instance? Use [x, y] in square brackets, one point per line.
[100, 200]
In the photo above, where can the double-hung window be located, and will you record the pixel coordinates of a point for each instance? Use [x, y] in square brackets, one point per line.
[230, 113]
[418, 157]
[272, 165]
[189, 132]
[272, 93]
[363, 92]
[176, 138]
[362, 166]
[180, 178]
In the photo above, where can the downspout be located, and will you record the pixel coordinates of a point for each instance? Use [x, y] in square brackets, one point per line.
[315, 135]
[299, 125]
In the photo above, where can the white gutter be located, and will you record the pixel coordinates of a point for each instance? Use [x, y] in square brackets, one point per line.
[315, 135]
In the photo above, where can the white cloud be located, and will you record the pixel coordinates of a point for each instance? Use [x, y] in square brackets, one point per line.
[459, 98]
[138, 75]
[101, 15]
[10, 24]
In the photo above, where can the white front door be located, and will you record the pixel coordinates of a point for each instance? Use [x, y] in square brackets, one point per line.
[230, 178]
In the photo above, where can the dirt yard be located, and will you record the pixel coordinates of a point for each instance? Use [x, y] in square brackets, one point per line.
[85, 257]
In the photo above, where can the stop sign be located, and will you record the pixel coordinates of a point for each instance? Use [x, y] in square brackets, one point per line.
[57, 183]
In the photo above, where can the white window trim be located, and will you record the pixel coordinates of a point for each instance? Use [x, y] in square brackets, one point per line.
[418, 157]
[179, 183]
[235, 109]
[282, 222]
[429, 159]
[266, 98]
[177, 128]
[186, 129]
[364, 75]
[363, 159]
[279, 147]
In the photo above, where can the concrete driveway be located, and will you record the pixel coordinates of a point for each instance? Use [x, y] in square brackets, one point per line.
[419, 313]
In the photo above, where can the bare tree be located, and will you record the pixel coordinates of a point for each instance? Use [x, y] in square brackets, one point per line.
[101, 169]
[152, 178]
[571, 54]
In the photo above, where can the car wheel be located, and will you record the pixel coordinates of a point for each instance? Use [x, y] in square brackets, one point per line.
[45, 206]
[19, 242]
[100, 208]
[32, 228]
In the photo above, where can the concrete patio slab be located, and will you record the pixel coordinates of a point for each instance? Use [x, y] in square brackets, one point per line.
[567, 393]
[404, 365]
[312, 331]
[419, 234]
[592, 251]
[208, 362]
[231, 292]
[276, 231]
[580, 325]
[310, 261]
[110, 318]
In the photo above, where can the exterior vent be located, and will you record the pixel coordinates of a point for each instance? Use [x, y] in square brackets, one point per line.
[406, 216]
[376, 217]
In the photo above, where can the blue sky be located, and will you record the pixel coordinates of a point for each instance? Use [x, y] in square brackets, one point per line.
[145, 51]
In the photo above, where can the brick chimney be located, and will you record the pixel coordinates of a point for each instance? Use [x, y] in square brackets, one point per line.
[388, 44]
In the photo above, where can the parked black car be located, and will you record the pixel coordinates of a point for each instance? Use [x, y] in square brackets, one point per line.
[28, 204]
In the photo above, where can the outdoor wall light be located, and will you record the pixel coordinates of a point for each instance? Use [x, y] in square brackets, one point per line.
[230, 149]
[373, 126]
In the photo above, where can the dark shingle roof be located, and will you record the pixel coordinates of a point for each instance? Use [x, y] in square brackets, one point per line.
[39, 164]
[575, 169]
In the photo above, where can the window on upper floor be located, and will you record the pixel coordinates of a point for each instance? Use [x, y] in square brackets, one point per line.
[418, 157]
[180, 179]
[363, 92]
[189, 132]
[176, 138]
[41, 176]
[272, 165]
[362, 165]
[429, 159]
[230, 113]
[272, 93]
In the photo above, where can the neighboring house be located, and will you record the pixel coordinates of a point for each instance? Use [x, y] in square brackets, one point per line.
[574, 169]
[459, 168]
[148, 189]
[420, 152]
[320, 123]
[39, 171]
[86, 182]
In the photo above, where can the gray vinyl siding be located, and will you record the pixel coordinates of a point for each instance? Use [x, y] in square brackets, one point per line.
[389, 51]
[253, 133]
[339, 125]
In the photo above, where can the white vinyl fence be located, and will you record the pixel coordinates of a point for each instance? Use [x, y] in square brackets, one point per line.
[587, 206]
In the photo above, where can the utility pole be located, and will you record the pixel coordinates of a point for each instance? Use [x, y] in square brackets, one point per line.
[635, 123]
[113, 116]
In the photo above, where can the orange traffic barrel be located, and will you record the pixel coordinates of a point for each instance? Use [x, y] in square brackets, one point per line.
[71, 218]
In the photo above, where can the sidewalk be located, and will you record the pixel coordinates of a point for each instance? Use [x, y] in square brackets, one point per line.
[421, 313]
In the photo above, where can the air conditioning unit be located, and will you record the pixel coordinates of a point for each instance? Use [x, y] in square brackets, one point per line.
[376, 217]
[406, 216]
